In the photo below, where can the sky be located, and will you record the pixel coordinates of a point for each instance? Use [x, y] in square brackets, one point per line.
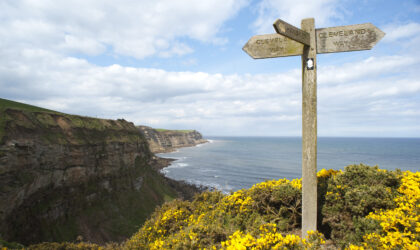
[180, 65]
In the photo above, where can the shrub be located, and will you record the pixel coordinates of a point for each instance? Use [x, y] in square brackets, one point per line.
[64, 246]
[212, 217]
[352, 195]
[400, 227]
[269, 238]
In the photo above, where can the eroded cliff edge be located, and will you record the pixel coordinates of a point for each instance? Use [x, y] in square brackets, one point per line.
[62, 176]
[163, 141]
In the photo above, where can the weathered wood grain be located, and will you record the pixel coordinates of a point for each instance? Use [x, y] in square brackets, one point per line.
[272, 45]
[347, 38]
[309, 133]
[290, 31]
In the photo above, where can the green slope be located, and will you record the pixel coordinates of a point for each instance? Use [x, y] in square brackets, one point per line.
[5, 104]
[8, 104]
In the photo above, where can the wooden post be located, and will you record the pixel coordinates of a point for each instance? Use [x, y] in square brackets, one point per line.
[290, 41]
[309, 131]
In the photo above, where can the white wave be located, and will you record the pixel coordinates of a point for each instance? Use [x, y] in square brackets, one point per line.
[178, 165]
[180, 158]
[226, 189]
[164, 171]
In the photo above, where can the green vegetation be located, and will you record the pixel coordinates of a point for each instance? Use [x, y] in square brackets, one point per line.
[10, 245]
[4, 104]
[60, 128]
[357, 207]
[351, 196]
[177, 131]
[362, 207]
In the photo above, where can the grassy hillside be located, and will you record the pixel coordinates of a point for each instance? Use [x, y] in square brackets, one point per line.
[46, 122]
[4, 104]
[179, 131]
[7, 104]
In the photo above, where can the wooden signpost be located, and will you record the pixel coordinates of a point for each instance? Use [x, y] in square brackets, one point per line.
[347, 38]
[307, 42]
[291, 32]
[272, 45]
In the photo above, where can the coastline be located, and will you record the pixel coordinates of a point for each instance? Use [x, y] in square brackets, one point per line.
[175, 148]
[233, 163]
[186, 190]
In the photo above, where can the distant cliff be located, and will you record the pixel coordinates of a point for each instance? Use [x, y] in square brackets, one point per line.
[161, 140]
[62, 176]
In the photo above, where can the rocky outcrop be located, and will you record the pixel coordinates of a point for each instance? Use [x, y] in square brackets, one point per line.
[62, 176]
[161, 141]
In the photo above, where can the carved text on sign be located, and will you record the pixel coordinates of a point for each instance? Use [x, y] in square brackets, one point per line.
[272, 45]
[276, 40]
[342, 33]
[347, 38]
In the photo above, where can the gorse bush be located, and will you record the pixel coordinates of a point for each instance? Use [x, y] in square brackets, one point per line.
[352, 195]
[257, 218]
[353, 206]
[361, 207]
[212, 217]
[400, 226]
[269, 238]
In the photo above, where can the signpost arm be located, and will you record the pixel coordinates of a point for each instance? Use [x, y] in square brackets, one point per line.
[309, 131]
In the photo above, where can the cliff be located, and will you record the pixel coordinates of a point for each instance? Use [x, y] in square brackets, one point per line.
[162, 141]
[62, 176]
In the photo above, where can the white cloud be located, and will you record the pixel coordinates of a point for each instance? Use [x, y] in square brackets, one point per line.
[367, 68]
[129, 28]
[398, 32]
[82, 45]
[149, 96]
[293, 11]
[178, 49]
[38, 65]
[261, 104]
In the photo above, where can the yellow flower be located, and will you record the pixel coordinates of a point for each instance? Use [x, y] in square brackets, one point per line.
[326, 173]
[400, 225]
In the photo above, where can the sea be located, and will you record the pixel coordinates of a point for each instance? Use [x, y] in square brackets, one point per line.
[232, 163]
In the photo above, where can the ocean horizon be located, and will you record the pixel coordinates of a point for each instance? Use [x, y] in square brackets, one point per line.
[232, 163]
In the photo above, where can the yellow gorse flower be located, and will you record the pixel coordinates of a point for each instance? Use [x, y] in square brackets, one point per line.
[400, 226]
[270, 239]
[188, 226]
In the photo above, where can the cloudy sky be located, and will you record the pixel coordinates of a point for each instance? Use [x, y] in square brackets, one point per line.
[180, 65]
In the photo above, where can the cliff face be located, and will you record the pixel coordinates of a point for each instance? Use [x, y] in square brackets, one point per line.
[161, 141]
[62, 176]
